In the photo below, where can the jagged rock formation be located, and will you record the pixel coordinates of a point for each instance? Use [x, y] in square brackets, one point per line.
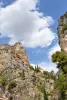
[12, 56]
[62, 32]
[17, 80]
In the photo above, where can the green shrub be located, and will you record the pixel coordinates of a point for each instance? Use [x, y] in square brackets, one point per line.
[22, 74]
[3, 80]
[44, 93]
[52, 75]
[37, 68]
[12, 85]
[31, 67]
[64, 28]
[60, 58]
[45, 73]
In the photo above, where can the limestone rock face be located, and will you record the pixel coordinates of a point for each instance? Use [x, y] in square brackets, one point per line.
[12, 56]
[62, 32]
[17, 80]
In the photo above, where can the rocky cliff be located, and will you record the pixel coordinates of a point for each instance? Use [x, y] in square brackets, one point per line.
[19, 80]
[12, 55]
[62, 32]
[62, 61]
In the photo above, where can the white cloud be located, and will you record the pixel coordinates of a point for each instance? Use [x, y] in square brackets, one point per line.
[53, 50]
[47, 66]
[22, 22]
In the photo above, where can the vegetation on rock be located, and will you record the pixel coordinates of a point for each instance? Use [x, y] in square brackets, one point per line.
[64, 28]
[23, 81]
[12, 85]
[60, 58]
[44, 93]
[3, 80]
[37, 69]
[31, 67]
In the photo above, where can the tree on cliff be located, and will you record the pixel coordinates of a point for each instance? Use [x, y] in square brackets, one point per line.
[60, 58]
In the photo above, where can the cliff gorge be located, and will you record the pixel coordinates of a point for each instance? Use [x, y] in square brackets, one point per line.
[20, 81]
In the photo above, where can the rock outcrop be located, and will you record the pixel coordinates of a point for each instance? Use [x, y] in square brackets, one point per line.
[12, 56]
[62, 32]
[17, 80]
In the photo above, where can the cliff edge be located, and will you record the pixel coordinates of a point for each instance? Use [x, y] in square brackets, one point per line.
[62, 32]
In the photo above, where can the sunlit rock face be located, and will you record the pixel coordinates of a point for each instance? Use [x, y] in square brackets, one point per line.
[13, 55]
[62, 32]
[15, 70]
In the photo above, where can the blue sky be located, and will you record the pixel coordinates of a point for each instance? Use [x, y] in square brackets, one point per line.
[39, 53]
